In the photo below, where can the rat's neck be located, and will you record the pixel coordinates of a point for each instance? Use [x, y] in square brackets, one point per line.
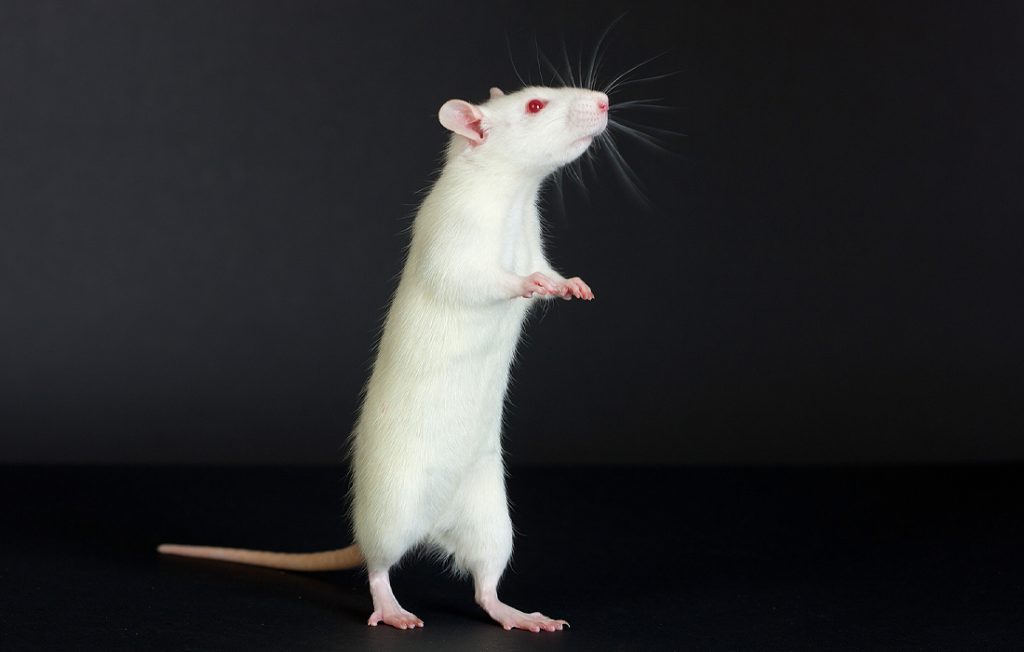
[495, 185]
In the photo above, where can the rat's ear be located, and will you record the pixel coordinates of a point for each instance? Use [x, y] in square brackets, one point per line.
[464, 119]
[496, 92]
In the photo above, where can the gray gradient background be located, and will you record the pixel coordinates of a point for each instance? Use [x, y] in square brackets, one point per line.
[202, 205]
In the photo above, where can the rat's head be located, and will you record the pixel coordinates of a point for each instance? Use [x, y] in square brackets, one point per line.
[536, 129]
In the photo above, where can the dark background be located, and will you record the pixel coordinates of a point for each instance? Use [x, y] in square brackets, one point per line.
[202, 208]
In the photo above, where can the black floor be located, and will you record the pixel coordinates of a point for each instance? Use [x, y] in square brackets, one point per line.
[687, 559]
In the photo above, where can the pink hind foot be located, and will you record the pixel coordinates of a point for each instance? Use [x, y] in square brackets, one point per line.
[400, 619]
[385, 607]
[511, 618]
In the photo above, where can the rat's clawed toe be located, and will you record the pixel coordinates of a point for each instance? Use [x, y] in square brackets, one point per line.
[534, 623]
[575, 287]
[401, 619]
[510, 618]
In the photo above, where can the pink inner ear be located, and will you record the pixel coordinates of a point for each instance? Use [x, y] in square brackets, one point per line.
[464, 119]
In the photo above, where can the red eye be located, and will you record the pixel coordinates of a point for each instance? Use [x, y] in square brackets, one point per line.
[535, 106]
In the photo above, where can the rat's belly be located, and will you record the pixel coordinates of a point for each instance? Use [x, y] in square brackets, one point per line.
[438, 386]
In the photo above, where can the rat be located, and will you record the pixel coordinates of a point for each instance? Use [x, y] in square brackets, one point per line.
[426, 448]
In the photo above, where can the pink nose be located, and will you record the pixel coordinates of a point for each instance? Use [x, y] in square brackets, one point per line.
[602, 102]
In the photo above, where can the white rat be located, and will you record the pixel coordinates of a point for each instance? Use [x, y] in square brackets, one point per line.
[427, 465]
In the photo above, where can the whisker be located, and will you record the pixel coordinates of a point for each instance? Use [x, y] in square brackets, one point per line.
[568, 66]
[644, 138]
[656, 108]
[594, 56]
[554, 70]
[614, 83]
[588, 158]
[641, 104]
[558, 178]
[570, 171]
[646, 100]
[579, 69]
[626, 172]
[540, 70]
[649, 128]
[644, 80]
[576, 172]
[511, 59]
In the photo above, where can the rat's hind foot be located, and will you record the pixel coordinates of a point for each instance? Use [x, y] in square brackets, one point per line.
[399, 619]
[386, 608]
[511, 618]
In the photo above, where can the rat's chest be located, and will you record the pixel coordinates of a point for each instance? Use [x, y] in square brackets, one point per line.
[517, 225]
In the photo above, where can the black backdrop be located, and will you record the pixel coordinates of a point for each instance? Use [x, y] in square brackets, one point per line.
[202, 204]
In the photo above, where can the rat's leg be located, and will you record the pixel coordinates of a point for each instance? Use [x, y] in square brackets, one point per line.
[486, 581]
[533, 251]
[385, 605]
[481, 542]
[507, 616]
[386, 529]
[382, 553]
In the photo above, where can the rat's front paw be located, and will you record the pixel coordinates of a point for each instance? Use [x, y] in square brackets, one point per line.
[575, 287]
[538, 284]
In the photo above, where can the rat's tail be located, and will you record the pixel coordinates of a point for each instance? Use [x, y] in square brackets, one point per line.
[329, 560]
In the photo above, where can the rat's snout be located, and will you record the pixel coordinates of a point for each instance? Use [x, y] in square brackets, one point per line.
[590, 110]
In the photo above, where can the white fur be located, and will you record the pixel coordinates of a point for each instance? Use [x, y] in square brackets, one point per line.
[427, 446]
